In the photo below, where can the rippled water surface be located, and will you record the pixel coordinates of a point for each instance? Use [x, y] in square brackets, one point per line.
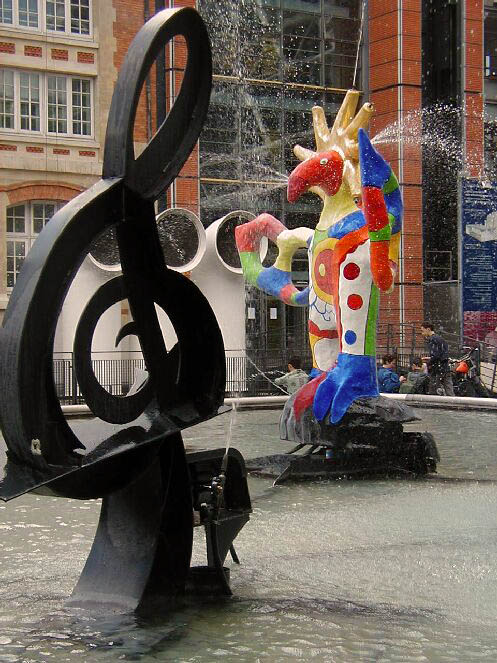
[373, 570]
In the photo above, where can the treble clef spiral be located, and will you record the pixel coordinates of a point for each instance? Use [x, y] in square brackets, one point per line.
[184, 385]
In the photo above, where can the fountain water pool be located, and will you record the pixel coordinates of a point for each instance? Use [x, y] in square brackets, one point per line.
[342, 571]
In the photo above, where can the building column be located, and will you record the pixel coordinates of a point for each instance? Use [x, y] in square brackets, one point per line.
[395, 90]
[472, 84]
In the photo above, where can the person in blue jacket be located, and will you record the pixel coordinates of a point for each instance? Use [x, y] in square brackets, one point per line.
[388, 380]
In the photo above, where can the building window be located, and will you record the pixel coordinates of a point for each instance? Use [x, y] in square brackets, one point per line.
[29, 101]
[24, 223]
[6, 14]
[68, 16]
[490, 45]
[62, 16]
[80, 17]
[6, 99]
[57, 104]
[45, 104]
[56, 15]
[490, 89]
[81, 106]
[28, 13]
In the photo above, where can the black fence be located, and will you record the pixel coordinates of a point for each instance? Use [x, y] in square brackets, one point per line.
[252, 372]
[115, 373]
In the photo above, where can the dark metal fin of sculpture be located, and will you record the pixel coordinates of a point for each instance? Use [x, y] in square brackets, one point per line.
[115, 409]
[138, 525]
[152, 172]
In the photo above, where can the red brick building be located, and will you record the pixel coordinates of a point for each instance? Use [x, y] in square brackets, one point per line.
[421, 54]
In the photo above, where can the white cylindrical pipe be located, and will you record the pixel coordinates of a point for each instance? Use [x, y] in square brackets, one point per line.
[259, 401]
[219, 276]
[467, 402]
[89, 278]
[186, 234]
[178, 228]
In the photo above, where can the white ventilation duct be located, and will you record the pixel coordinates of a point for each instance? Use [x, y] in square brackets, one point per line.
[182, 238]
[210, 256]
[221, 239]
[219, 276]
[181, 235]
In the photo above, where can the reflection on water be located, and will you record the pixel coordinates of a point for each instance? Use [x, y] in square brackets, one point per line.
[384, 570]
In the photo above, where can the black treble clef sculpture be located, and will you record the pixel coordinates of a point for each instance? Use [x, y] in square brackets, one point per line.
[135, 457]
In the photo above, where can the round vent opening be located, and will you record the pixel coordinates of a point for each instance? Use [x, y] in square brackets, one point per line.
[181, 235]
[182, 238]
[225, 239]
[104, 251]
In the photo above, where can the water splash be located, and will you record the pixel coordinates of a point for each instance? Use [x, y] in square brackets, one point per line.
[436, 129]
[431, 127]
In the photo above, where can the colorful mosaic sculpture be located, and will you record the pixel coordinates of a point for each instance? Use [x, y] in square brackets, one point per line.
[353, 254]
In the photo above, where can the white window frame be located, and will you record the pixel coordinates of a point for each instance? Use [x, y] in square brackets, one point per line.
[27, 9]
[43, 79]
[15, 10]
[32, 78]
[3, 8]
[41, 26]
[69, 19]
[25, 238]
[11, 85]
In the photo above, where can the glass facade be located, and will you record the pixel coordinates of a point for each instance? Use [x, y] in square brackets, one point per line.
[442, 138]
[273, 60]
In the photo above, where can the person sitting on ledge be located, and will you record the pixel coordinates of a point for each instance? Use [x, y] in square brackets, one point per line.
[388, 380]
[417, 378]
[295, 378]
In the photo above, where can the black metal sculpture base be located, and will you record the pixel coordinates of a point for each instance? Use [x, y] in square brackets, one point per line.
[141, 554]
[369, 440]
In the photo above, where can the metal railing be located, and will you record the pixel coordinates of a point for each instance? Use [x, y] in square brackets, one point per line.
[252, 372]
[114, 372]
[406, 342]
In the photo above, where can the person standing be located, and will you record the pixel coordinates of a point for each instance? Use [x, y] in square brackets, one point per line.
[438, 361]
[295, 378]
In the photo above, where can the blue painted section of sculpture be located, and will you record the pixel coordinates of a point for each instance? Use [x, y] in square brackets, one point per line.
[374, 169]
[347, 225]
[353, 377]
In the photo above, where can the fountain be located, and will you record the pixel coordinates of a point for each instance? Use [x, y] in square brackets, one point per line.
[343, 571]
[132, 455]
